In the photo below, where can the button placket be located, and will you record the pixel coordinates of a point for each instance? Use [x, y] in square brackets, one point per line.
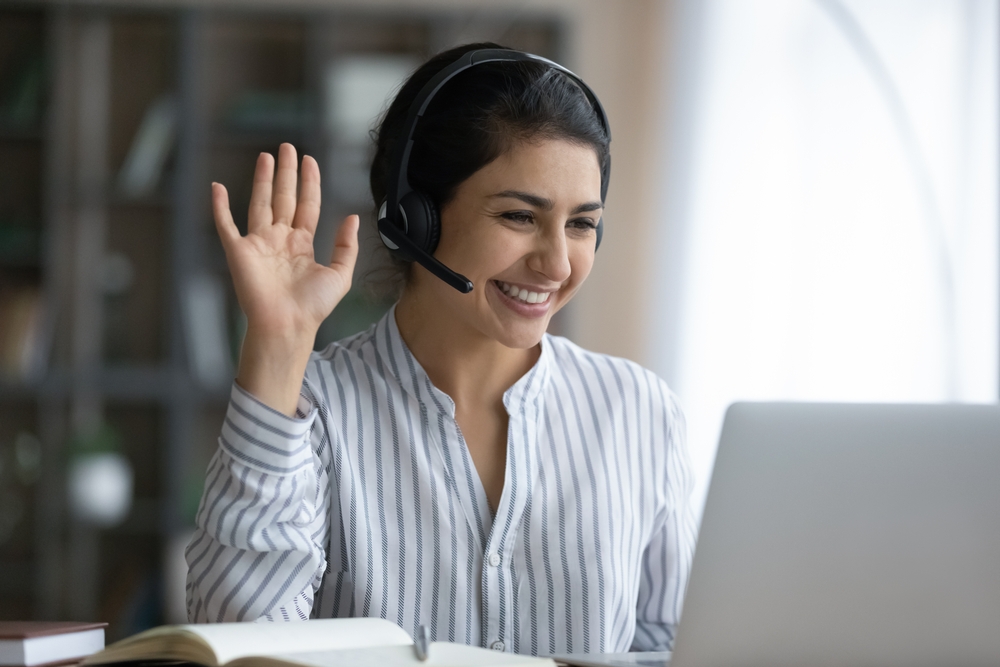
[500, 548]
[491, 600]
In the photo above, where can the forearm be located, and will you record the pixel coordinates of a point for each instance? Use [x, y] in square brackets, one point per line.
[252, 549]
[262, 522]
[283, 291]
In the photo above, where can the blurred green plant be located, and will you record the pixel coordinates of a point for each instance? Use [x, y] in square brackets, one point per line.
[101, 438]
[20, 241]
[21, 90]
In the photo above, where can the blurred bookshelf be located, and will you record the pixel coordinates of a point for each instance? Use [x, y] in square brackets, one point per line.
[119, 328]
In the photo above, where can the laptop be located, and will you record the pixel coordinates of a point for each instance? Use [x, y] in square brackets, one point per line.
[849, 535]
[838, 534]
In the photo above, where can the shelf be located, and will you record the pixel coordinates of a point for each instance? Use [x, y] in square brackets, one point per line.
[20, 264]
[116, 383]
[20, 134]
[244, 82]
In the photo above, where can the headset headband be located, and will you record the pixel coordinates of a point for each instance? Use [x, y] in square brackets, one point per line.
[399, 183]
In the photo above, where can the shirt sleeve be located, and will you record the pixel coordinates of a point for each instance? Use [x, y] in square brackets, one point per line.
[258, 548]
[666, 564]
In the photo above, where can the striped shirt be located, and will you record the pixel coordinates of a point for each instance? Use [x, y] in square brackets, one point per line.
[367, 503]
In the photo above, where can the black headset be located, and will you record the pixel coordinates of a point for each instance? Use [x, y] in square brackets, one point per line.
[408, 220]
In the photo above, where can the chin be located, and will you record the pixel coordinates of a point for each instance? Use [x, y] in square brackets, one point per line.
[521, 336]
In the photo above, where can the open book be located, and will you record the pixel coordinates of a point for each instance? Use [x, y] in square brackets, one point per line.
[359, 642]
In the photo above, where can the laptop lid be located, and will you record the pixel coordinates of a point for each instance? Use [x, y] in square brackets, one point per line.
[849, 535]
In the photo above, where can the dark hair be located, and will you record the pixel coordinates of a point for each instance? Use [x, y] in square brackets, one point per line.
[475, 118]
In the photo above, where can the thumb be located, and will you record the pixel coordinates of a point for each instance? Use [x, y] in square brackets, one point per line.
[345, 246]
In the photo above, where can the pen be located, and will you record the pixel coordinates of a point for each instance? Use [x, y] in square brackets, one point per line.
[422, 643]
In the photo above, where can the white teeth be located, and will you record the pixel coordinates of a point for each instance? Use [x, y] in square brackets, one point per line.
[523, 294]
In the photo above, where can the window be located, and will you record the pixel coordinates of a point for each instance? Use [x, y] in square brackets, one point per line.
[838, 216]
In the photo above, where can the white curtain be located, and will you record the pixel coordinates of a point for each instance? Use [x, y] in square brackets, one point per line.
[832, 225]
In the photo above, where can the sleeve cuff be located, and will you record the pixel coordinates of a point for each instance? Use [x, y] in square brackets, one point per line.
[260, 437]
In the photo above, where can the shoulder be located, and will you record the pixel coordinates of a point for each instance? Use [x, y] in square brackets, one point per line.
[355, 345]
[567, 355]
[339, 364]
[621, 380]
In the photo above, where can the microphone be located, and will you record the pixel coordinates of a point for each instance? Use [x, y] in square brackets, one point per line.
[395, 239]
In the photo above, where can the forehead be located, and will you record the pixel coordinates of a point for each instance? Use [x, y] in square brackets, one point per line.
[556, 168]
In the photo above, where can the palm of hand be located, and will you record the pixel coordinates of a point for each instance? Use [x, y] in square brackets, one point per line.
[280, 286]
[279, 283]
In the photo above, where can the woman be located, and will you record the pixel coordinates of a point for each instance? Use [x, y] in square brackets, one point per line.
[454, 465]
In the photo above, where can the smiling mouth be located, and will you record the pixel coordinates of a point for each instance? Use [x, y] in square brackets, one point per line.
[520, 294]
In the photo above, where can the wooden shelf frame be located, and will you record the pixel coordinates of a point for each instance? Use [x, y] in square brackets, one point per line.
[79, 199]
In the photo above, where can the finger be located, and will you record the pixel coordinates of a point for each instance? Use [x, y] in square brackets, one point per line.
[283, 203]
[260, 198]
[224, 225]
[345, 246]
[307, 210]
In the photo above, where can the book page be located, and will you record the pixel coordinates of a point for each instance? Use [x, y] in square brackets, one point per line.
[237, 640]
[635, 659]
[441, 654]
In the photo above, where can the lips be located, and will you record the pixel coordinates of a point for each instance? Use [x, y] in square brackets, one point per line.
[521, 294]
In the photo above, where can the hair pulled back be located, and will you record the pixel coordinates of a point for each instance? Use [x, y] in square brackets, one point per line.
[474, 119]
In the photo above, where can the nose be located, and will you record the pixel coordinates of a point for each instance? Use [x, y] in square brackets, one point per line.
[550, 256]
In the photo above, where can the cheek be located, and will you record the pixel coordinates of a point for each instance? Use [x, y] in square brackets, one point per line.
[464, 241]
[581, 261]
[479, 248]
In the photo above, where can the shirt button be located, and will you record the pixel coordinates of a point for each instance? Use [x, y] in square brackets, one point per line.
[494, 560]
[497, 646]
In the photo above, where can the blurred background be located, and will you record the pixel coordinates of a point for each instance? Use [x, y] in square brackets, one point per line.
[803, 206]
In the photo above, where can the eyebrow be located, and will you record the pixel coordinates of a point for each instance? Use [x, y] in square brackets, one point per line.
[543, 202]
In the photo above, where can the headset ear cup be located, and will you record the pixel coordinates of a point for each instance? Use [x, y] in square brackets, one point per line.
[433, 226]
[600, 233]
[422, 225]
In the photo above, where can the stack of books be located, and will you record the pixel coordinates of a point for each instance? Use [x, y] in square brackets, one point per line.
[355, 642]
[48, 643]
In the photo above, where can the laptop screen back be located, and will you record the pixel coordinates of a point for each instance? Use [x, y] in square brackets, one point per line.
[849, 535]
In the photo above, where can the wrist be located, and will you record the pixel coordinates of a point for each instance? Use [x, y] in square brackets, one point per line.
[272, 367]
[282, 334]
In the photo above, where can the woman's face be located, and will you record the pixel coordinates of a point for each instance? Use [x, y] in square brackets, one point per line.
[523, 230]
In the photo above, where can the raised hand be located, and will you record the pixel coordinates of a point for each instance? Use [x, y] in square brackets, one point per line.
[284, 292]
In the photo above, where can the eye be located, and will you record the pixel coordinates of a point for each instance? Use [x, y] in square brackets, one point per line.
[582, 224]
[518, 216]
